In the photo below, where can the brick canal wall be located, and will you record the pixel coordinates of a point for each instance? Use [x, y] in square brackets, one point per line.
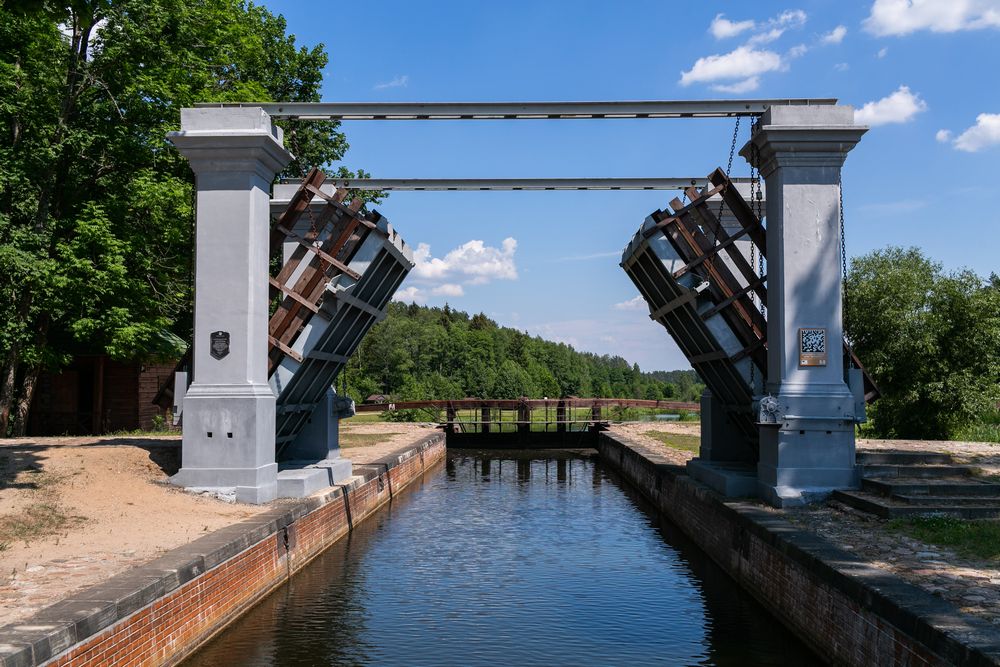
[159, 613]
[848, 611]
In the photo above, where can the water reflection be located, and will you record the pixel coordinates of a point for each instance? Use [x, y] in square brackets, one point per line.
[510, 558]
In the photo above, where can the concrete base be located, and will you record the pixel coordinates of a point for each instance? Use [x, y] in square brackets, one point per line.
[731, 479]
[299, 479]
[797, 467]
[228, 441]
[258, 485]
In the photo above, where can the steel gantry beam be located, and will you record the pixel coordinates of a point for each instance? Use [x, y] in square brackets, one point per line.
[519, 110]
[486, 184]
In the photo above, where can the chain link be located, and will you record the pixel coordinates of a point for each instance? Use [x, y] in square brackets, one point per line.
[729, 167]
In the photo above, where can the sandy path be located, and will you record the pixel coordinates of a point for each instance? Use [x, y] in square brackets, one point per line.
[76, 511]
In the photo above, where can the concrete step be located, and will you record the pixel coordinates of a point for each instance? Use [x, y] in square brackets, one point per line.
[903, 458]
[894, 470]
[887, 509]
[914, 487]
[983, 501]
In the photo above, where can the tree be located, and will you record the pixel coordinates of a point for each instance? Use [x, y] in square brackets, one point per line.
[512, 382]
[930, 340]
[96, 208]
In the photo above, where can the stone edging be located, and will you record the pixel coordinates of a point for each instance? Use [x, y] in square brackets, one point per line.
[160, 612]
[847, 610]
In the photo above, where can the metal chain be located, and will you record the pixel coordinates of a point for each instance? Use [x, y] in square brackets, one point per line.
[729, 167]
[843, 237]
[843, 264]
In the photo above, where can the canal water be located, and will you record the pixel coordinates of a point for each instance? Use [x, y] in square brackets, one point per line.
[510, 558]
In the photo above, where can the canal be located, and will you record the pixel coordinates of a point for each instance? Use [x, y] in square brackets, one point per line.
[515, 558]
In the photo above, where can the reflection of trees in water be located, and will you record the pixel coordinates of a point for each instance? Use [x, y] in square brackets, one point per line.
[737, 625]
[325, 616]
[293, 626]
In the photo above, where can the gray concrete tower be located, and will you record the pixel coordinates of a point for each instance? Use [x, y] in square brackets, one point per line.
[229, 409]
[809, 450]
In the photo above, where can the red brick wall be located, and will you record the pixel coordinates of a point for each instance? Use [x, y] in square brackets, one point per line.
[834, 624]
[172, 627]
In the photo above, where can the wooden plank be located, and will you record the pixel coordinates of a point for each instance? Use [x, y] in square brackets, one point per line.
[328, 258]
[725, 245]
[684, 238]
[317, 232]
[285, 349]
[288, 320]
[741, 209]
[289, 292]
[729, 300]
[346, 210]
[723, 278]
[710, 221]
[297, 206]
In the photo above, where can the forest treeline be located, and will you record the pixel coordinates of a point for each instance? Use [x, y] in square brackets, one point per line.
[419, 352]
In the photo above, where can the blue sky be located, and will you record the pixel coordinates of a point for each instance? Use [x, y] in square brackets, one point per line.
[547, 262]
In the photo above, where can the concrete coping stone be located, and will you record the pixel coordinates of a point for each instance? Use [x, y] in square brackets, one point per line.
[937, 623]
[68, 622]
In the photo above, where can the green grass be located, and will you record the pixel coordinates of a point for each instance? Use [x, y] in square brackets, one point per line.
[986, 431]
[972, 539]
[685, 443]
[33, 522]
[348, 439]
[365, 418]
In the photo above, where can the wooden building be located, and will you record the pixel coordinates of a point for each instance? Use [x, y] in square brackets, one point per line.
[96, 394]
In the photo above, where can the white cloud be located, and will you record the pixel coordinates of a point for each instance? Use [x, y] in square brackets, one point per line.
[740, 69]
[722, 28]
[743, 63]
[766, 37]
[797, 51]
[899, 107]
[410, 294]
[635, 303]
[473, 261]
[400, 81]
[448, 289]
[883, 52]
[902, 17]
[984, 134]
[943, 136]
[744, 86]
[835, 36]
[841, 67]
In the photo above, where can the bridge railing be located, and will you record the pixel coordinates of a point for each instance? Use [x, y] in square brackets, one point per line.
[531, 415]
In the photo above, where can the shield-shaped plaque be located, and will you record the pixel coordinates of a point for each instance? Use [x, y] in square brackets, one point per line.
[219, 344]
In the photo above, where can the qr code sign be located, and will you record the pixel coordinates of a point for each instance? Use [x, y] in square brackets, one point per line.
[812, 347]
[813, 341]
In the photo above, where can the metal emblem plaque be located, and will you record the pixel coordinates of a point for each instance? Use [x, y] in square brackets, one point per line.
[219, 344]
[812, 347]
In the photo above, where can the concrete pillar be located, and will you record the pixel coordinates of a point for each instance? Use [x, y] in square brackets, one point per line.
[228, 436]
[810, 450]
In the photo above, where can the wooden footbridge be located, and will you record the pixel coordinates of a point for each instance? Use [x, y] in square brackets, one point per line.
[526, 421]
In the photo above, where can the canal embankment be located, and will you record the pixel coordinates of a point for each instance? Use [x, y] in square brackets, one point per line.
[159, 612]
[842, 605]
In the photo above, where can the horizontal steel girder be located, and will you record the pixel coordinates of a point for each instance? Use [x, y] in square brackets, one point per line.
[486, 184]
[519, 110]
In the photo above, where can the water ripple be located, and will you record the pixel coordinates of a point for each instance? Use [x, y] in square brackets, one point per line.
[509, 558]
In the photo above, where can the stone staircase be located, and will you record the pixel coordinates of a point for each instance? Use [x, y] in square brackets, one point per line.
[898, 484]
